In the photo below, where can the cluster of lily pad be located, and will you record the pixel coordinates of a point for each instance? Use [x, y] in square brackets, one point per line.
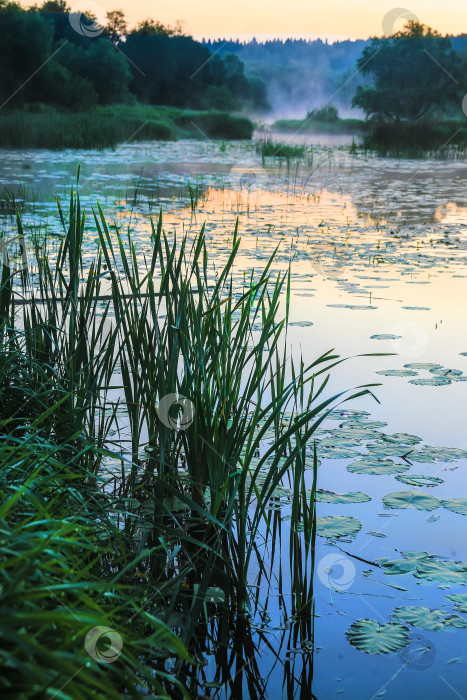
[372, 637]
[440, 376]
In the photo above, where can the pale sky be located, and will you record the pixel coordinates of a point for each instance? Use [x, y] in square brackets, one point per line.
[331, 18]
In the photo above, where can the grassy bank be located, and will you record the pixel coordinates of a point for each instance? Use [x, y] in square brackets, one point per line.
[420, 139]
[150, 414]
[315, 126]
[103, 127]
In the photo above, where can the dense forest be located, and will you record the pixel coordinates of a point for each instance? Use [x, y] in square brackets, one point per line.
[83, 65]
[303, 75]
[52, 56]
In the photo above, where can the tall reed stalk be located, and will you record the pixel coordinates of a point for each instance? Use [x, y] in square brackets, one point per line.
[168, 516]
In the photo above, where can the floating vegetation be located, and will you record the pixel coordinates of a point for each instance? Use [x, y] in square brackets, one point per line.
[432, 569]
[438, 454]
[301, 324]
[427, 619]
[419, 480]
[422, 365]
[460, 601]
[373, 533]
[456, 505]
[337, 526]
[426, 566]
[373, 638]
[397, 372]
[373, 466]
[337, 453]
[436, 381]
[387, 450]
[411, 499]
[385, 336]
[402, 438]
[331, 497]
[443, 372]
[354, 307]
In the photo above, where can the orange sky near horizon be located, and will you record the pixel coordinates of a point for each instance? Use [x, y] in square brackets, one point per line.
[334, 19]
[325, 18]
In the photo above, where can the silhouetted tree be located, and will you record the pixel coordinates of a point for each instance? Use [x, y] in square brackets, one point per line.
[414, 72]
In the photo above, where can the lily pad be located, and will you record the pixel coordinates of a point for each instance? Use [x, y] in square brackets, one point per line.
[372, 638]
[426, 566]
[385, 336]
[421, 617]
[374, 466]
[402, 438]
[456, 505]
[435, 381]
[438, 454]
[331, 497]
[460, 601]
[422, 365]
[337, 526]
[444, 372]
[397, 372]
[416, 308]
[354, 307]
[443, 571]
[385, 449]
[411, 499]
[419, 480]
[302, 324]
[455, 621]
[336, 453]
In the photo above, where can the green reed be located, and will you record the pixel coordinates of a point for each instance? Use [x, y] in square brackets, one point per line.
[145, 525]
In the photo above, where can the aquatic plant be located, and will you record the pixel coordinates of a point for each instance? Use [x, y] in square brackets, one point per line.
[165, 415]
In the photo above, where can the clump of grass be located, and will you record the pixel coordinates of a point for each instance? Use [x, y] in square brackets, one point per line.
[104, 127]
[272, 149]
[125, 519]
[418, 139]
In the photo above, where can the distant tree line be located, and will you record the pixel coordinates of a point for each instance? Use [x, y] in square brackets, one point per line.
[44, 59]
[414, 73]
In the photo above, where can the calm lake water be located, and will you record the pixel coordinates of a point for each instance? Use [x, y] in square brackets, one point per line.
[378, 254]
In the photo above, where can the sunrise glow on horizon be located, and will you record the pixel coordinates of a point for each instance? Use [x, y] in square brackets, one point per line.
[265, 19]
